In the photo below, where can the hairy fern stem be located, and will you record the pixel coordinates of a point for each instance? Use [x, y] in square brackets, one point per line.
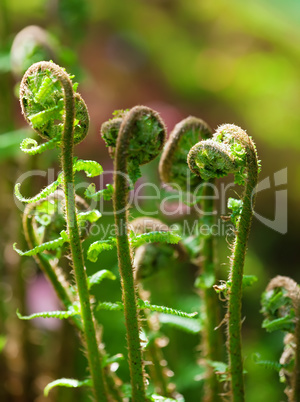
[67, 145]
[232, 151]
[129, 292]
[173, 169]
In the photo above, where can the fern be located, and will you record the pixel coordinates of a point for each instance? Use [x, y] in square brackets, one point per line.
[144, 304]
[91, 168]
[99, 276]
[50, 245]
[157, 398]
[118, 306]
[42, 194]
[72, 311]
[286, 323]
[190, 325]
[98, 246]
[90, 216]
[154, 237]
[268, 364]
[106, 193]
[67, 382]
[31, 146]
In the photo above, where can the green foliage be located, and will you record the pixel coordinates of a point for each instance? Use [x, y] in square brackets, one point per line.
[190, 325]
[270, 365]
[98, 246]
[154, 237]
[51, 245]
[72, 311]
[278, 309]
[106, 193]
[67, 382]
[99, 276]
[236, 207]
[42, 194]
[143, 304]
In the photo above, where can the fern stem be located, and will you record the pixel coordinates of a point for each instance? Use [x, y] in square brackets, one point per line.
[129, 292]
[231, 150]
[93, 353]
[212, 338]
[236, 277]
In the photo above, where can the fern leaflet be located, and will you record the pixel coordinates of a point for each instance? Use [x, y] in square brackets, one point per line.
[67, 382]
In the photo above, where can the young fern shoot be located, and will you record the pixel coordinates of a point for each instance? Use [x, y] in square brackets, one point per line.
[174, 170]
[281, 308]
[231, 150]
[138, 137]
[51, 106]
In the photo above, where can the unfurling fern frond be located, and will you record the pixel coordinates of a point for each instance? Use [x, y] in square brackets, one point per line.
[91, 168]
[50, 245]
[31, 146]
[98, 246]
[42, 194]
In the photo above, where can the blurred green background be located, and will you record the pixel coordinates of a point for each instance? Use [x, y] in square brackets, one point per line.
[223, 61]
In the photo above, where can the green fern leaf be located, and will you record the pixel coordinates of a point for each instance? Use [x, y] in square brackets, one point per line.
[118, 306]
[190, 325]
[91, 168]
[106, 193]
[144, 304]
[90, 216]
[42, 194]
[157, 398]
[73, 310]
[154, 237]
[39, 119]
[112, 359]
[50, 245]
[67, 382]
[268, 364]
[286, 323]
[31, 146]
[98, 246]
[99, 276]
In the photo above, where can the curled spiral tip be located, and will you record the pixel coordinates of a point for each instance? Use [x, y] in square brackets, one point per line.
[140, 131]
[172, 166]
[43, 98]
[209, 159]
[230, 133]
[109, 132]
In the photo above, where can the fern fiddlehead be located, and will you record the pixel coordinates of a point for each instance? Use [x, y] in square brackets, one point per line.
[281, 308]
[231, 150]
[174, 170]
[140, 138]
[52, 108]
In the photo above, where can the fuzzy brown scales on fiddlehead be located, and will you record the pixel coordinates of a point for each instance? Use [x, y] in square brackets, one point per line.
[172, 166]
